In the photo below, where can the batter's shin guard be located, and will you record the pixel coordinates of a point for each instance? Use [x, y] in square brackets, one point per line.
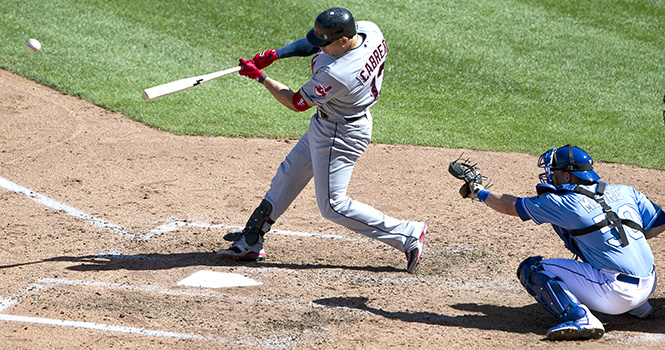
[258, 224]
[549, 290]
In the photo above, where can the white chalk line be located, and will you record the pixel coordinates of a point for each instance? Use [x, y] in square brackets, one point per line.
[107, 328]
[6, 303]
[53, 204]
[172, 224]
[642, 338]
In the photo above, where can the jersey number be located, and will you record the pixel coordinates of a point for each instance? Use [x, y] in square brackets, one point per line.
[376, 88]
[624, 212]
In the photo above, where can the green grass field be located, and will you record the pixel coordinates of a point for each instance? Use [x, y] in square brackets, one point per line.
[500, 75]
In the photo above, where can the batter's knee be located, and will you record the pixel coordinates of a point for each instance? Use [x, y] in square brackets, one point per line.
[333, 208]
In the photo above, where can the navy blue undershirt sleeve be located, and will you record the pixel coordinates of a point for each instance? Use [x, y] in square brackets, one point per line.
[298, 48]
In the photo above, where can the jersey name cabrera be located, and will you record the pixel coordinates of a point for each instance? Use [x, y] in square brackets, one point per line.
[345, 86]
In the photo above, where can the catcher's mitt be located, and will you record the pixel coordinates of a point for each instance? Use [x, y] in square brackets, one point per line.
[473, 180]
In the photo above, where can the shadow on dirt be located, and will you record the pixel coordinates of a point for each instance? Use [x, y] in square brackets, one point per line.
[488, 317]
[524, 319]
[108, 262]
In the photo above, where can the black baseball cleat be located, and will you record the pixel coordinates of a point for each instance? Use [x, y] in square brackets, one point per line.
[234, 236]
[243, 251]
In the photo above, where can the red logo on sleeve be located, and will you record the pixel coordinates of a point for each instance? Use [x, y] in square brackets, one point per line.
[321, 91]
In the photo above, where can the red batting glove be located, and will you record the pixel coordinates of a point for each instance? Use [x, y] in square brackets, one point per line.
[249, 69]
[265, 58]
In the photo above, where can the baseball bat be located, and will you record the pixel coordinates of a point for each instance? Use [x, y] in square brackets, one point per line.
[158, 91]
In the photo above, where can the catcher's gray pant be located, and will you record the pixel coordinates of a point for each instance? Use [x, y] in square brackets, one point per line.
[328, 151]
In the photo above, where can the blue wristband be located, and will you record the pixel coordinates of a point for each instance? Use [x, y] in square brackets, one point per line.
[482, 195]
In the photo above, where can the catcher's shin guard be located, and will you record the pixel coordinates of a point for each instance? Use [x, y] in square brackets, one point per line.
[258, 224]
[549, 290]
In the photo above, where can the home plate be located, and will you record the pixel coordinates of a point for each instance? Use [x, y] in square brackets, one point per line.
[212, 279]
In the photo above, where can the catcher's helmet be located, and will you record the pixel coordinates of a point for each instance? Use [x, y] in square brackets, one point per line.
[331, 25]
[567, 158]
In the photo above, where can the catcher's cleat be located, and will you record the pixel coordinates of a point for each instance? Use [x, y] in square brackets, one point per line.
[243, 251]
[586, 327]
[413, 254]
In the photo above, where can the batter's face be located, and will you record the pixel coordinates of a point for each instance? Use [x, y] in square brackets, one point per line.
[336, 47]
[341, 46]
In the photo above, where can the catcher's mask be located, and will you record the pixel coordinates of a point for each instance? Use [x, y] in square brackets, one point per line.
[567, 158]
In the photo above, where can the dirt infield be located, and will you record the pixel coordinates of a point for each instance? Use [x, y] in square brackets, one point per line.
[101, 217]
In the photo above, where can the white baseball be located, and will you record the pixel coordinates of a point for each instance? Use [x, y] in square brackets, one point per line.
[33, 45]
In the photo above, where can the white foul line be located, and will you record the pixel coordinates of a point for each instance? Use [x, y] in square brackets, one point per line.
[170, 226]
[102, 327]
[53, 204]
[6, 303]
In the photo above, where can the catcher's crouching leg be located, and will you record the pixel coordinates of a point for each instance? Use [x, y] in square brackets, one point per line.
[549, 290]
[258, 224]
[552, 294]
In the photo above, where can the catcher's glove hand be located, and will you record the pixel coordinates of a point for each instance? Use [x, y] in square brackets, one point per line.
[473, 180]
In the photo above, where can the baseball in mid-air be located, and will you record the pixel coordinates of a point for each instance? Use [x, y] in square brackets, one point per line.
[33, 45]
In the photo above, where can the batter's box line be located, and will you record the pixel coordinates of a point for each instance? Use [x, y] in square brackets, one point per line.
[109, 328]
[61, 207]
[171, 224]
[174, 224]
[45, 283]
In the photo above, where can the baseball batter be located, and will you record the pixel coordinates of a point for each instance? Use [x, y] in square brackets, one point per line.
[605, 225]
[347, 74]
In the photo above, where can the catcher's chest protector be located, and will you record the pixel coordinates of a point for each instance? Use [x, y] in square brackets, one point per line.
[611, 217]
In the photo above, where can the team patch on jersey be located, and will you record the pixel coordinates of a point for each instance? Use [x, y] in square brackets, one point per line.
[321, 91]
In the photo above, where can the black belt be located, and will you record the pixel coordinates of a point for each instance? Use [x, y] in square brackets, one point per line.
[349, 120]
[628, 279]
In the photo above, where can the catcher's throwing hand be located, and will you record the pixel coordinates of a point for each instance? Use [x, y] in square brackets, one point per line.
[473, 180]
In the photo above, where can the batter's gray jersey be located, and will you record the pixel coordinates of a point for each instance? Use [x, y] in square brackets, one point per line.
[343, 88]
[346, 86]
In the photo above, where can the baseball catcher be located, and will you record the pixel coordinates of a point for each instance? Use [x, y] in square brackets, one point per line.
[606, 226]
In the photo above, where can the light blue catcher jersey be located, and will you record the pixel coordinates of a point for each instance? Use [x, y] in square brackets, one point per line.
[568, 211]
